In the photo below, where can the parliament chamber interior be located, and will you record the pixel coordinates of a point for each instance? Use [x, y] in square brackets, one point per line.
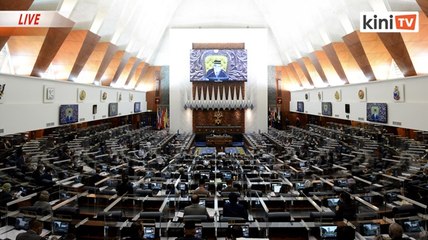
[146, 120]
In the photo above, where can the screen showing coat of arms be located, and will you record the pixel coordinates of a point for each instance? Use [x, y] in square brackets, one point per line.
[216, 65]
[377, 112]
[327, 109]
[112, 109]
[68, 114]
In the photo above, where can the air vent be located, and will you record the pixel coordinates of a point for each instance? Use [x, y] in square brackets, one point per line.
[120, 114]
[337, 115]
[396, 123]
[104, 116]
[82, 119]
[50, 124]
[361, 119]
[1, 130]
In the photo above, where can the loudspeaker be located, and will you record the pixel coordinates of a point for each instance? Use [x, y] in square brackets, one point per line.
[347, 108]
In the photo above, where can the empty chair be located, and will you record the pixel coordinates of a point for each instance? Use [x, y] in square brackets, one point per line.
[144, 192]
[67, 211]
[151, 215]
[195, 218]
[322, 216]
[279, 217]
[404, 210]
[254, 193]
[111, 215]
[231, 219]
[31, 210]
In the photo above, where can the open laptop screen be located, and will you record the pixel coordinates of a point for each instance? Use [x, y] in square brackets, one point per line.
[412, 226]
[276, 187]
[370, 229]
[60, 228]
[22, 223]
[328, 232]
[332, 202]
[149, 233]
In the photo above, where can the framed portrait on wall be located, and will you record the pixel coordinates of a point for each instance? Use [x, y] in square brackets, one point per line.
[103, 96]
[48, 94]
[112, 109]
[81, 95]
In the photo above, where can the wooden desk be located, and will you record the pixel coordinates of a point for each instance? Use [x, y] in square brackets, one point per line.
[219, 140]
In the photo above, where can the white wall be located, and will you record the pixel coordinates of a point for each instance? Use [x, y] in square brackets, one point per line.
[180, 44]
[22, 107]
[412, 113]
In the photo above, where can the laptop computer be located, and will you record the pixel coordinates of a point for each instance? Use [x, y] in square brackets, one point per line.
[328, 232]
[198, 233]
[276, 187]
[149, 232]
[412, 226]
[332, 202]
[22, 223]
[370, 229]
[60, 228]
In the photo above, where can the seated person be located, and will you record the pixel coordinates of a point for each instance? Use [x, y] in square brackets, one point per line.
[37, 174]
[136, 231]
[189, 232]
[346, 209]
[195, 208]
[43, 203]
[33, 233]
[396, 232]
[5, 195]
[201, 190]
[125, 186]
[229, 187]
[233, 208]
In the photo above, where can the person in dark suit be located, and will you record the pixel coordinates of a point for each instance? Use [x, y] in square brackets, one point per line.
[5, 195]
[125, 186]
[189, 232]
[233, 208]
[195, 208]
[346, 209]
[229, 187]
[43, 203]
[136, 231]
[216, 73]
[33, 233]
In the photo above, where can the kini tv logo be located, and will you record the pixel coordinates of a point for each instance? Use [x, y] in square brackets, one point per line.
[389, 22]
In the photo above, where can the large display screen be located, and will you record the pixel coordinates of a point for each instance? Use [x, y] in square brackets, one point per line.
[68, 113]
[218, 65]
[377, 112]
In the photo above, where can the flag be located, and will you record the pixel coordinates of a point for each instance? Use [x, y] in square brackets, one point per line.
[165, 119]
[158, 118]
[162, 124]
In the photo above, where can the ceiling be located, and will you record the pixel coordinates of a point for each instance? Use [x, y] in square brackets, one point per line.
[296, 27]
[299, 27]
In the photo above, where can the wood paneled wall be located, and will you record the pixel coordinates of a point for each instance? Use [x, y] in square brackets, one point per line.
[233, 121]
